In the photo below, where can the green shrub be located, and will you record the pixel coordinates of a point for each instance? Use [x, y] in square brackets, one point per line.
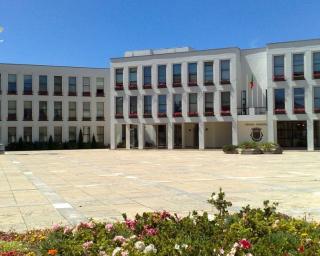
[248, 145]
[229, 148]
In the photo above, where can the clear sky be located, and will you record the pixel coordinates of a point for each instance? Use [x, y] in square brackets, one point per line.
[89, 32]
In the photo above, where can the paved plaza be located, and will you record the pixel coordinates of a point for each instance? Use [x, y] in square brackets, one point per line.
[40, 188]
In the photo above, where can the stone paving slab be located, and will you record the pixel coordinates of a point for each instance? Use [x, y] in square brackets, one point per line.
[40, 188]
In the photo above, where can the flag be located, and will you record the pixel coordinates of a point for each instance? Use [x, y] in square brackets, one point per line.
[252, 82]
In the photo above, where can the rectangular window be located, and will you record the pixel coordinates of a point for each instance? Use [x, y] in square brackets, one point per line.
[27, 84]
[298, 66]
[72, 86]
[86, 134]
[147, 105]
[225, 103]
[43, 85]
[177, 105]
[147, 75]
[43, 134]
[12, 135]
[316, 65]
[192, 74]
[100, 86]
[72, 111]
[208, 104]
[43, 116]
[162, 76]
[162, 105]
[86, 111]
[57, 134]
[100, 134]
[132, 76]
[176, 73]
[72, 134]
[57, 111]
[298, 104]
[119, 106]
[278, 68]
[316, 99]
[100, 111]
[279, 101]
[27, 111]
[119, 77]
[12, 110]
[86, 86]
[208, 73]
[58, 85]
[27, 134]
[133, 112]
[12, 84]
[225, 72]
[193, 104]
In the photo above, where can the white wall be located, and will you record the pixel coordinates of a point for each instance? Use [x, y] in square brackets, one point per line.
[218, 134]
[244, 131]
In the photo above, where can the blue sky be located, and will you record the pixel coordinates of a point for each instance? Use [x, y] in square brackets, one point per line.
[89, 32]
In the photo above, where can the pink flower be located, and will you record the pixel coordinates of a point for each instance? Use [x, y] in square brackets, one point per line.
[245, 244]
[124, 253]
[87, 245]
[67, 230]
[120, 239]
[165, 215]
[56, 227]
[131, 224]
[150, 231]
[109, 227]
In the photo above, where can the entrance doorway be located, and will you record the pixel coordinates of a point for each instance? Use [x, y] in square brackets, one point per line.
[316, 134]
[177, 136]
[133, 136]
[162, 136]
[292, 134]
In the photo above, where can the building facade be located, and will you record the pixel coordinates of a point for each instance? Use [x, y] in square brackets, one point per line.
[170, 98]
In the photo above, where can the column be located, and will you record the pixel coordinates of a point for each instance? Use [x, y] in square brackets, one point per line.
[310, 137]
[127, 136]
[112, 136]
[234, 132]
[201, 135]
[140, 136]
[170, 133]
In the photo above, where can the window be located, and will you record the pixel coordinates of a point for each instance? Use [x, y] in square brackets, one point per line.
[316, 99]
[133, 106]
[12, 110]
[192, 74]
[176, 75]
[100, 86]
[208, 73]
[86, 86]
[225, 103]
[119, 107]
[57, 134]
[43, 111]
[119, 77]
[43, 134]
[58, 85]
[27, 134]
[12, 84]
[27, 111]
[162, 106]
[225, 72]
[208, 104]
[12, 135]
[279, 101]
[86, 134]
[278, 68]
[193, 104]
[57, 111]
[132, 76]
[72, 133]
[147, 105]
[86, 111]
[298, 66]
[100, 111]
[100, 134]
[316, 65]
[298, 104]
[147, 76]
[0, 87]
[27, 84]
[177, 105]
[72, 86]
[43, 85]
[162, 76]
[72, 111]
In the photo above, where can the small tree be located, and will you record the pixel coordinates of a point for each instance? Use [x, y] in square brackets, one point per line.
[80, 139]
[220, 203]
[93, 142]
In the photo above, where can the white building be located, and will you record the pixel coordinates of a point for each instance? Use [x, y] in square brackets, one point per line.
[171, 98]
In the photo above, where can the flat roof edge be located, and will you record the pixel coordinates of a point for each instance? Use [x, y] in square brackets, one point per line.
[53, 66]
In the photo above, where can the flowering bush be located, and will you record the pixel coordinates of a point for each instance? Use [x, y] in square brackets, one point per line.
[248, 232]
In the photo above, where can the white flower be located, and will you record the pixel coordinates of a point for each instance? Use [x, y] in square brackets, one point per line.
[116, 250]
[102, 253]
[249, 254]
[211, 217]
[177, 247]
[150, 249]
[215, 197]
[221, 251]
[132, 237]
[184, 246]
[139, 245]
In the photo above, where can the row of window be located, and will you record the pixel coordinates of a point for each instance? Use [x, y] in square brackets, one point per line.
[177, 105]
[297, 66]
[43, 111]
[298, 101]
[43, 134]
[58, 85]
[208, 75]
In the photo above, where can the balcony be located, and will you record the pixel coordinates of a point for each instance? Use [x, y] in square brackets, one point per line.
[133, 115]
[192, 83]
[177, 114]
[298, 76]
[225, 112]
[279, 111]
[176, 84]
[162, 85]
[12, 117]
[162, 115]
[208, 113]
[119, 87]
[147, 115]
[252, 111]
[299, 111]
[225, 81]
[279, 78]
[118, 116]
[100, 93]
[147, 86]
[86, 94]
[133, 86]
[42, 92]
[316, 74]
[192, 114]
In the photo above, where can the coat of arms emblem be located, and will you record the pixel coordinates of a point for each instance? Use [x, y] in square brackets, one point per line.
[256, 134]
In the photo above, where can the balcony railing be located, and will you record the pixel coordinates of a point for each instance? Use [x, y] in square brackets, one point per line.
[298, 76]
[225, 81]
[316, 74]
[12, 117]
[133, 115]
[279, 78]
[147, 115]
[176, 84]
[27, 92]
[208, 83]
[100, 118]
[299, 111]
[118, 115]
[161, 115]
[209, 113]
[192, 83]
[256, 111]
[72, 93]
[177, 114]
[147, 86]
[133, 86]
[119, 87]
[162, 85]
[86, 94]
[279, 111]
[192, 114]
[43, 93]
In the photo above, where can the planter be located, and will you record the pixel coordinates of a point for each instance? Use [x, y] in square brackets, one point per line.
[251, 151]
[277, 151]
[161, 115]
[279, 78]
[177, 114]
[162, 85]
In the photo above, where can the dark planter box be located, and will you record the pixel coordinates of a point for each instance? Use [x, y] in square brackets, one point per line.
[162, 115]
[279, 78]
[225, 82]
[177, 114]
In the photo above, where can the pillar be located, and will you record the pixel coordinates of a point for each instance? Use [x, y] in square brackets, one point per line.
[310, 137]
[183, 135]
[112, 136]
[170, 134]
[201, 135]
[127, 136]
[235, 133]
[140, 136]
